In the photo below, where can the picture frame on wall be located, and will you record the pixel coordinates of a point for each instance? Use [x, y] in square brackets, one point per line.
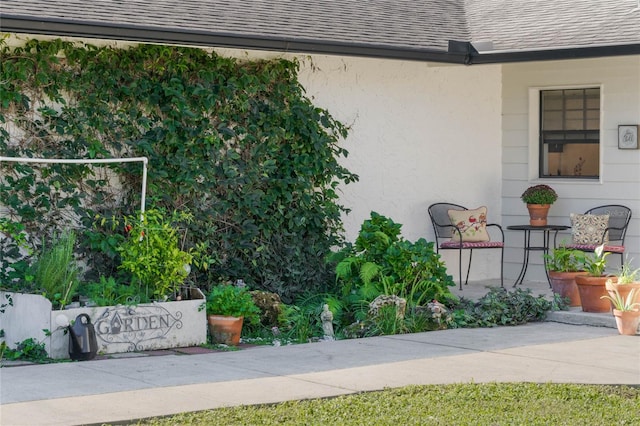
[628, 136]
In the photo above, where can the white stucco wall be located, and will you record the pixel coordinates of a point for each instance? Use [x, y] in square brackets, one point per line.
[420, 134]
[619, 79]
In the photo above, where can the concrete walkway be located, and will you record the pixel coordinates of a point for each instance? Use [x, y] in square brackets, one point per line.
[116, 390]
[573, 347]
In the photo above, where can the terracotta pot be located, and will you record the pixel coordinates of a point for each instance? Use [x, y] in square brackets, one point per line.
[591, 289]
[225, 329]
[627, 321]
[625, 289]
[564, 284]
[538, 214]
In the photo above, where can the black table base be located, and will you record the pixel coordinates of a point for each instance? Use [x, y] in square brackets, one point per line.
[544, 248]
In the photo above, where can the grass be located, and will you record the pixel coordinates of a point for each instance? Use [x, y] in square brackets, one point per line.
[458, 404]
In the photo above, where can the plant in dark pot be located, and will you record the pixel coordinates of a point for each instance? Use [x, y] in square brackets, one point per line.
[539, 198]
[592, 285]
[563, 265]
[228, 307]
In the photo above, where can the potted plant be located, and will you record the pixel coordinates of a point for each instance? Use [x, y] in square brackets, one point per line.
[539, 198]
[563, 265]
[627, 280]
[592, 285]
[625, 309]
[228, 307]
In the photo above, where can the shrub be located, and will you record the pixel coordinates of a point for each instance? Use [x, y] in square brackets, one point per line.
[152, 256]
[382, 262]
[238, 143]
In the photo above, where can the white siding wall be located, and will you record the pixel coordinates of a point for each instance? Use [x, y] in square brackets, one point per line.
[619, 79]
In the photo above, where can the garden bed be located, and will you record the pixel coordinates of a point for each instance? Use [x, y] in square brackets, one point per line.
[149, 326]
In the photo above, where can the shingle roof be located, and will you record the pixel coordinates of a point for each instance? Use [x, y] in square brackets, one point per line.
[412, 29]
[554, 24]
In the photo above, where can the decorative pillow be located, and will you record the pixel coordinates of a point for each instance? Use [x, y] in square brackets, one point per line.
[588, 228]
[471, 223]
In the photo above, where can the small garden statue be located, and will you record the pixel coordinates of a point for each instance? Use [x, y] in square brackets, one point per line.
[439, 312]
[327, 322]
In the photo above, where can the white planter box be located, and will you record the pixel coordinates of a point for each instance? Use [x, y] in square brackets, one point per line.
[118, 328]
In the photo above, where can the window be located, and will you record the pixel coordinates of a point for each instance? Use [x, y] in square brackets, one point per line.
[570, 133]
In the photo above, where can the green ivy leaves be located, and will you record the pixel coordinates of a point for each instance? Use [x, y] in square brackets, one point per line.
[236, 142]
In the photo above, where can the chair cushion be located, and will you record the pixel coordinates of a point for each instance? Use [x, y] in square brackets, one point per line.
[592, 247]
[471, 223]
[471, 245]
[588, 228]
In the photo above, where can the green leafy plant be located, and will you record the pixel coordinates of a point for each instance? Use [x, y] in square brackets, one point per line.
[29, 349]
[627, 274]
[387, 322]
[237, 142]
[559, 303]
[230, 300]
[55, 270]
[563, 259]
[108, 292]
[622, 303]
[14, 256]
[151, 253]
[596, 262]
[300, 323]
[4, 305]
[382, 262]
[500, 307]
[539, 194]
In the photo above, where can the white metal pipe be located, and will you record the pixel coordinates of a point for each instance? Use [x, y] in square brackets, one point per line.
[144, 161]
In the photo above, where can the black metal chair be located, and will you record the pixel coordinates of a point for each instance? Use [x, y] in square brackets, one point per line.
[619, 218]
[445, 230]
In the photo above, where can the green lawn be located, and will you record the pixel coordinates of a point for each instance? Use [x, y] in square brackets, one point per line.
[460, 404]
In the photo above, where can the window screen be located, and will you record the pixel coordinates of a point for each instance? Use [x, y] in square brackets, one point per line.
[570, 133]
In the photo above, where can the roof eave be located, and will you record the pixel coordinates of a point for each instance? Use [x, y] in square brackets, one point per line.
[146, 34]
[456, 54]
[555, 54]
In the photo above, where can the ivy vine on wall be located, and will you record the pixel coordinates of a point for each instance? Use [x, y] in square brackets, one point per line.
[236, 143]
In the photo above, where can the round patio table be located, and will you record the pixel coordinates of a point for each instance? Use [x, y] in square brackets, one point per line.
[528, 229]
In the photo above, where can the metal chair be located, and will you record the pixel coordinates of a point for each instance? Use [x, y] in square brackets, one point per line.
[619, 217]
[444, 230]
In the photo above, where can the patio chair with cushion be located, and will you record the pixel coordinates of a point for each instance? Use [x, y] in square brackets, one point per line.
[600, 225]
[458, 228]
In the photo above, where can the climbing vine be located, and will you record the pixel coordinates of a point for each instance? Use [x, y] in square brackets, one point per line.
[236, 143]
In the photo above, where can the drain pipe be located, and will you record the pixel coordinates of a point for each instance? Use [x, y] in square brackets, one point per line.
[144, 161]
